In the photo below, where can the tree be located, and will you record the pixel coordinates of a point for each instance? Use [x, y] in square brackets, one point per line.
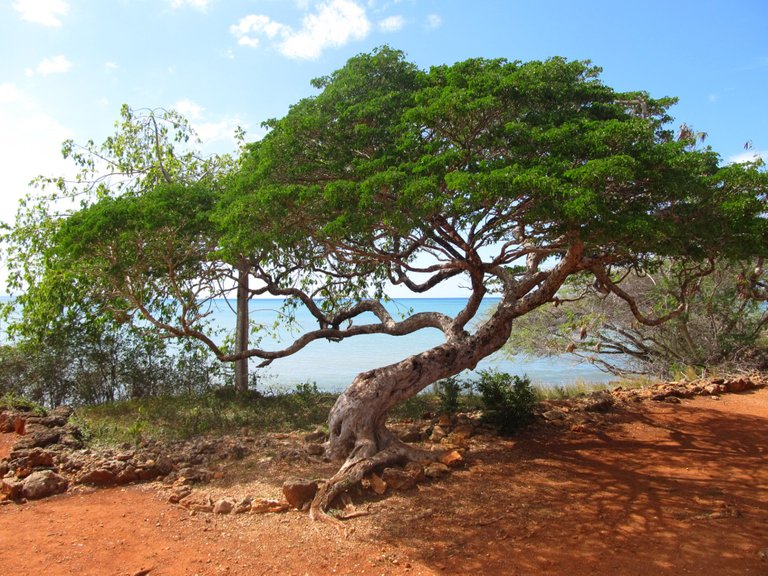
[512, 176]
[126, 236]
[721, 325]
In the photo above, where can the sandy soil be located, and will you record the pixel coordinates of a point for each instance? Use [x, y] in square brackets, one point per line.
[653, 488]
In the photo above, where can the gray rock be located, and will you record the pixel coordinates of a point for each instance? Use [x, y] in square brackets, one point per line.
[42, 484]
[223, 506]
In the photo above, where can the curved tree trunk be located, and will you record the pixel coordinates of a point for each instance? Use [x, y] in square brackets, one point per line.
[357, 422]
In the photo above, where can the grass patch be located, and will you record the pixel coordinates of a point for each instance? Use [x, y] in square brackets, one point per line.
[218, 412]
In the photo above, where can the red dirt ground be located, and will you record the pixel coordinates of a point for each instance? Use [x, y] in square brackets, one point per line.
[653, 489]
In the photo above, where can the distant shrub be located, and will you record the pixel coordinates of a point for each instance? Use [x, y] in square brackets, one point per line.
[508, 400]
[449, 392]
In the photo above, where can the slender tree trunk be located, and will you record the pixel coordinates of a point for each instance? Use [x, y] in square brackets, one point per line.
[241, 330]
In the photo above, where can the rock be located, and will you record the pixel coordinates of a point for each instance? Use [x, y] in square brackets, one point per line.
[194, 474]
[243, 505]
[378, 485]
[179, 493]
[445, 420]
[318, 435]
[438, 433]
[105, 473]
[298, 491]
[315, 450]
[452, 459]
[436, 470]
[398, 479]
[553, 415]
[265, 506]
[763, 554]
[11, 488]
[412, 435]
[34, 458]
[42, 484]
[223, 506]
[600, 403]
[39, 437]
[738, 385]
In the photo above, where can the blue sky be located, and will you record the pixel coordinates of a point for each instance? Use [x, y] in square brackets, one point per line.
[66, 66]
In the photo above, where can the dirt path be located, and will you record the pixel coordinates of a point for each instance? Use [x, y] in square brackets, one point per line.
[654, 489]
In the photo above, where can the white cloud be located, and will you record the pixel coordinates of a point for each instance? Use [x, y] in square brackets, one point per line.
[392, 24]
[45, 12]
[56, 65]
[252, 24]
[197, 4]
[333, 24]
[190, 110]
[30, 145]
[434, 21]
[749, 156]
[111, 65]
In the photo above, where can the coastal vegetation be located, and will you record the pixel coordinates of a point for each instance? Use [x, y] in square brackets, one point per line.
[535, 182]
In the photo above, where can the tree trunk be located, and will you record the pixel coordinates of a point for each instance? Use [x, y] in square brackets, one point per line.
[241, 330]
[357, 422]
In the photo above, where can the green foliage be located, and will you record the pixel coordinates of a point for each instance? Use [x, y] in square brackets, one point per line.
[508, 400]
[13, 401]
[449, 392]
[103, 365]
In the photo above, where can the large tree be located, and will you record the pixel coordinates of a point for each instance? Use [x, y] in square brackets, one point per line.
[510, 176]
[127, 236]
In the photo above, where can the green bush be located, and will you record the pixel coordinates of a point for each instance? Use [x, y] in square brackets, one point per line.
[449, 392]
[508, 400]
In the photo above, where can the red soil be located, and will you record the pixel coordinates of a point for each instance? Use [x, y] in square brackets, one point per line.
[651, 489]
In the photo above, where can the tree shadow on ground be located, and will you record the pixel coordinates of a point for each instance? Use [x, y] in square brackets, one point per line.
[660, 490]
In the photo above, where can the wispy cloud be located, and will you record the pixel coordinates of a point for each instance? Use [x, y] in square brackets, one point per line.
[749, 156]
[332, 24]
[45, 12]
[197, 4]
[56, 65]
[434, 21]
[392, 24]
[212, 133]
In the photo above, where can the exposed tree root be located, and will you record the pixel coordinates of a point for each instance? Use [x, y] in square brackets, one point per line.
[355, 469]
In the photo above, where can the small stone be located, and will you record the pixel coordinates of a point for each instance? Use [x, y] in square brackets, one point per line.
[378, 485]
[223, 506]
[266, 506]
[438, 433]
[436, 470]
[763, 554]
[315, 450]
[299, 491]
[553, 415]
[398, 479]
[243, 505]
[452, 459]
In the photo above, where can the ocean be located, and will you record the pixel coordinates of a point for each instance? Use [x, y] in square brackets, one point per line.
[333, 365]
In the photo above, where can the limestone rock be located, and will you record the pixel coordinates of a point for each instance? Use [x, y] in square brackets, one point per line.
[223, 506]
[42, 484]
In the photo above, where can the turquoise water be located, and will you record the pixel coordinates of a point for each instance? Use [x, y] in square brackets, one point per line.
[333, 365]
